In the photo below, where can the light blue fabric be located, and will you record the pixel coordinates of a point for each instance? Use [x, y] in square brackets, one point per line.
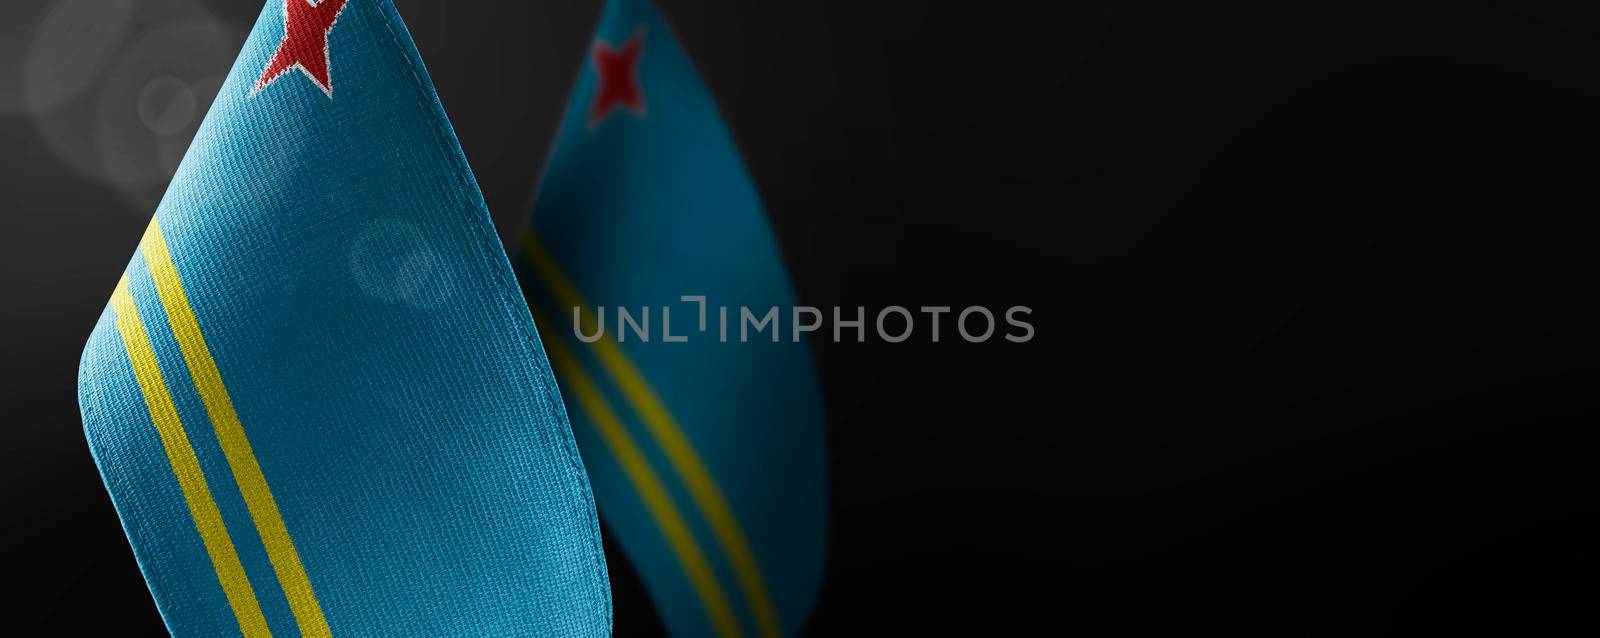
[367, 325]
[636, 209]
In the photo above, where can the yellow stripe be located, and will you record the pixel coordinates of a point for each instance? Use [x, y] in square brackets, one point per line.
[669, 436]
[645, 481]
[185, 466]
[230, 434]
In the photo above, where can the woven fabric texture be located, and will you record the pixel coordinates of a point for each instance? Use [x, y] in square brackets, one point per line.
[317, 398]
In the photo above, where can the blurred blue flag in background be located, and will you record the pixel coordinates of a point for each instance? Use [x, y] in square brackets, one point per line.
[705, 449]
[317, 398]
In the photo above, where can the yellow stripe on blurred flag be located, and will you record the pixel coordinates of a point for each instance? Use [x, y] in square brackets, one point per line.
[657, 500]
[666, 432]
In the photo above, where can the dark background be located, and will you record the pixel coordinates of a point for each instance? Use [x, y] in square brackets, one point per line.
[1312, 281]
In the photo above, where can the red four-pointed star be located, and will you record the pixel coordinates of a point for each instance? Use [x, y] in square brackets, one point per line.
[617, 69]
[305, 43]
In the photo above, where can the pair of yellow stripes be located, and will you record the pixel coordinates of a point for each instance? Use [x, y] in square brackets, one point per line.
[680, 454]
[235, 447]
[269, 522]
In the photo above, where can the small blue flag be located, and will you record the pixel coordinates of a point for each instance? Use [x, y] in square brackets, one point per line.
[316, 397]
[647, 245]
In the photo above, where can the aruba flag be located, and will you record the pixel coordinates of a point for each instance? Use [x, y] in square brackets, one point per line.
[706, 451]
[316, 397]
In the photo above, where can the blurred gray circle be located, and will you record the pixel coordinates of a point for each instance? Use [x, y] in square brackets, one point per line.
[171, 148]
[166, 105]
[152, 104]
[17, 19]
[71, 47]
[393, 260]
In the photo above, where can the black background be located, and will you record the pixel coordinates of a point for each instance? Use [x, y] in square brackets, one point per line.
[1312, 282]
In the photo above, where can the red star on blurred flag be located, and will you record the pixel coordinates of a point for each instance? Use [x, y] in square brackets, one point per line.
[305, 43]
[617, 69]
